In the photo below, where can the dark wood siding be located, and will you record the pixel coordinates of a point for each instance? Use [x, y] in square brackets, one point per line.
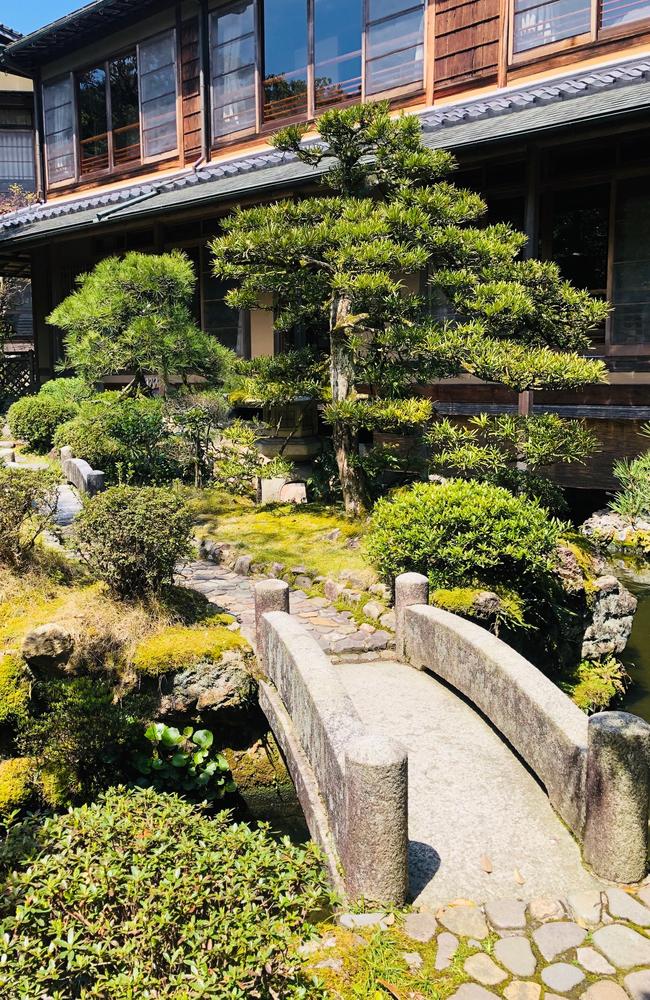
[466, 42]
[191, 89]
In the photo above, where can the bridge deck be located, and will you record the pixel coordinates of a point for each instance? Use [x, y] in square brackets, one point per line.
[470, 797]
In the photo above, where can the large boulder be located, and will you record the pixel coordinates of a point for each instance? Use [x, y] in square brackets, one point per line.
[612, 618]
[48, 647]
[226, 686]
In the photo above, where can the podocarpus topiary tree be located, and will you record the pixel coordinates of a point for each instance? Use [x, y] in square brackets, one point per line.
[134, 315]
[339, 260]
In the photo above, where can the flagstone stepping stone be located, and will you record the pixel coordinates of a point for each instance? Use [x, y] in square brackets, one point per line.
[544, 908]
[623, 946]
[594, 962]
[482, 968]
[523, 991]
[562, 977]
[467, 921]
[556, 938]
[638, 984]
[586, 907]
[420, 926]
[644, 894]
[472, 991]
[517, 956]
[413, 959]
[622, 905]
[506, 914]
[606, 989]
[447, 948]
[355, 921]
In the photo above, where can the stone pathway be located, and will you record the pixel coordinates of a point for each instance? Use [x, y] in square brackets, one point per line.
[590, 945]
[480, 826]
[335, 631]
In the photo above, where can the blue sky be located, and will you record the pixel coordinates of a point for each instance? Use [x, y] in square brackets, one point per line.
[26, 15]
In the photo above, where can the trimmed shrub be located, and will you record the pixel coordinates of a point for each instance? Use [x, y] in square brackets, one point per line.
[34, 419]
[180, 647]
[73, 390]
[27, 504]
[131, 537]
[153, 899]
[16, 785]
[126, 438]
[463, 533]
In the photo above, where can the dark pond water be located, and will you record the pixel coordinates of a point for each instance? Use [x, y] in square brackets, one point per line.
[637, 653]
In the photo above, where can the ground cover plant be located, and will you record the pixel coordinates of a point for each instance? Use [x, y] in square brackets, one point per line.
[334, 265]
[27, 505]
[141, 894]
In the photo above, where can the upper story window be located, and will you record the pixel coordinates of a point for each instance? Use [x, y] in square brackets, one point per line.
[114, 114]
[560, 24]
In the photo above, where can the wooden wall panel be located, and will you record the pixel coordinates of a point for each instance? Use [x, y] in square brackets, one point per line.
[466, 42]
[191, 89]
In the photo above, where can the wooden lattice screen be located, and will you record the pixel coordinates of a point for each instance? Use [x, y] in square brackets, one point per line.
[17, 376]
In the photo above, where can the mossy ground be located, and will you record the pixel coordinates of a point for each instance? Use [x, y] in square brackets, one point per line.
[284, 533]
[179, 647]
[16, 784]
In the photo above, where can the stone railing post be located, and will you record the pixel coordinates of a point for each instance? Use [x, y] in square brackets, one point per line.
[270, 595]
[618, 796]
[375, 847]
[410, 589]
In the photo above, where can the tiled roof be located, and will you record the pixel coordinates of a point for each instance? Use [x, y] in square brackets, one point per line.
[619, 88]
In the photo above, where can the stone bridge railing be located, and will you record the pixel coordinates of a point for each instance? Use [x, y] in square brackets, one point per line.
[352, 783]
[596, 770]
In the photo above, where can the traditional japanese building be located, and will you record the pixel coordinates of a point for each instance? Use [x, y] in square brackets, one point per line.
[152, 120]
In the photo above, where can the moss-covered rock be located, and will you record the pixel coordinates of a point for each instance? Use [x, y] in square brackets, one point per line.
[482, 606]
[180, 648]
[597, 684]
[16, 784]
[15, 687]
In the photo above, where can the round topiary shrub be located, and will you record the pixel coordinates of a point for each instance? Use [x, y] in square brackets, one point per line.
[73, 389]
[462, 533]
[132, 537]
[142, 895]
[34, 419]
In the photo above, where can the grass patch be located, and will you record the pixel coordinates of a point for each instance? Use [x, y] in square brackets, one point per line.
[284, 533]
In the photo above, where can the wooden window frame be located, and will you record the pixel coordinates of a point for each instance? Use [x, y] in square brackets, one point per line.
[595, 35]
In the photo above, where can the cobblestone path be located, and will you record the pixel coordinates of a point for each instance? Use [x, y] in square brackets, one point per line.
[335, 631]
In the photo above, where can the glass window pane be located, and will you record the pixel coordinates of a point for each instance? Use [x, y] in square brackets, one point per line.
[125, 110]
[337, 49]
[631, 273]
[394, 45]
[285, 58]
[16, 160]
[93, 121]
[157, 68]
[233, 69]
[613, 12]
[542, 24]
[58, 104]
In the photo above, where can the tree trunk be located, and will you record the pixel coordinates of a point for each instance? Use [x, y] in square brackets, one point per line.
[345, 438]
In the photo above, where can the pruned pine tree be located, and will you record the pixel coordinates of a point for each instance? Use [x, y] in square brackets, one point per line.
[389, 210]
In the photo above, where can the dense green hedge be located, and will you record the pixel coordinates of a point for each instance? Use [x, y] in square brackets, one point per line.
[34, 419]
[142, 895]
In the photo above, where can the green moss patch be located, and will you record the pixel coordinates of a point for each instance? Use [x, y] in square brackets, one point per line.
[16, 784]
[14, 688]
[180, 647]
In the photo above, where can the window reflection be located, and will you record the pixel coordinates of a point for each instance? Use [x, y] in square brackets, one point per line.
[337, 51]
[233, 69]
[615, 12]
[394, 45]
[125, 112]
[93, 122]
[285, 58]
[544, 23]
[105, 144]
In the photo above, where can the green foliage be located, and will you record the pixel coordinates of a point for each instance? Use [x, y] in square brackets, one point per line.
[598, 683]
[184, 762]
[140, 894]
[237, 461]
[34, 419]
[633, 500]
[279, 378]
[16, 785]
[127, 438]
[463, 601]
[15, 688]
[80, 737]
[180, 647]
[72, 390]
[134, 314]
[131, 538]
[462, 534]
[28, 501]
[197, 415]
[336, 265]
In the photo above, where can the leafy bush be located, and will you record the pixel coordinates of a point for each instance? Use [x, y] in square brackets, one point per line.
[180, 647]
[80, 737]
[183, 763]
[238, 462]
[128, 439]
[14, 689]
[141, 895]
[634, 497]
[28, 501]
[72, 390]
[599, 683]
[34, 419]
[16, 784]
[131, 538]
[462, 533]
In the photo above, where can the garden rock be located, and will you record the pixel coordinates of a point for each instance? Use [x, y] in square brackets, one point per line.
[555, 938]
[226, 685]
[413, 959]
[604, 990]
[624, 947]
[593, 961]
[374, 610]
[562, 977]
[523, 991]
[420, 926]
[586, 907]
[447, 948]
[505, 914]
[638, 984]
[359, 921]
[471, 991]
[48, 647]
[465, 920]
[621, 904]
[544, 908]
[484, 970]
[611, 621]
[517, 956]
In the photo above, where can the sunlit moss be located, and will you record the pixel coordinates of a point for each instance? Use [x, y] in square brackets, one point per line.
[180, 647]
[14, 688]
[16, 784]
